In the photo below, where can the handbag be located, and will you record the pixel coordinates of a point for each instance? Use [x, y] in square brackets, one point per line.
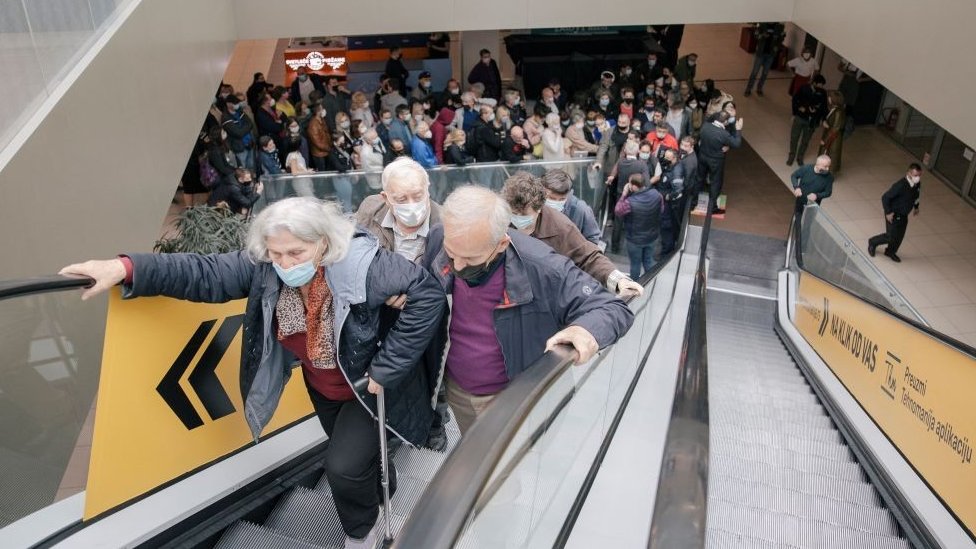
[623, 208]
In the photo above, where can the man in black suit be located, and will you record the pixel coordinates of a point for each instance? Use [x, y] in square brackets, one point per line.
[898, 201]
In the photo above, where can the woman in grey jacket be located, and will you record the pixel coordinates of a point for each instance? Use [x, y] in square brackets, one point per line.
[315, 287]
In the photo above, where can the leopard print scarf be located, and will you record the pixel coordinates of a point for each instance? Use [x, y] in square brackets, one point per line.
[316, 318]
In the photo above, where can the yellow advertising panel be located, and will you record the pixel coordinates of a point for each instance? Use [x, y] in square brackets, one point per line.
[916, 388]
[169, 397]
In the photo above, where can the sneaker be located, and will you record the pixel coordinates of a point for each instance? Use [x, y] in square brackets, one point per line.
[372, 539]
[871, 249]
[894, 257]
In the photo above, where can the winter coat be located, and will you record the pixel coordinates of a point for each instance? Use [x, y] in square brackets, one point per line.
[581, 215]
[544, 293]
[360, 284]
[643, 224]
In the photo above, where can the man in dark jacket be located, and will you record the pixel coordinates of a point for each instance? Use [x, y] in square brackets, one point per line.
[642, 222]
[396, 69]
[811, 184]
[689, 163]
[240, 132]
[488, 134]
[514, 298]
[515, 146]
[336, 99]
[486, 72]
[809, 109]
[715, 141]
[236, 193]
[900, 199]
[671, 186]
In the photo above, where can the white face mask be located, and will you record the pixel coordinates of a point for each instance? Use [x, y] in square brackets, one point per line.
[411, 214]
[294, 130]
[322, 114]
[344, 125]
[645, 156]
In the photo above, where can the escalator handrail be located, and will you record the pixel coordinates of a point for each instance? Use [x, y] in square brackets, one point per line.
[680, 504]
[924, 328]
[439, 516]
[40, 285]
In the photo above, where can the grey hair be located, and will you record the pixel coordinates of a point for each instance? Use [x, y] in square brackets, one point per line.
[552, 120]
[557, 181]
[578, 116]
[471, 203]
[824, 158]
[467, 96]
[309, 219]
[631, 148]
[478, 87]
[404, 169]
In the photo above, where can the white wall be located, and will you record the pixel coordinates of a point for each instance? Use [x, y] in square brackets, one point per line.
[923, 51]
[314, 17]
[96, 176]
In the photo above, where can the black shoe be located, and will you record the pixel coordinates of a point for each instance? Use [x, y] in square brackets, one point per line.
[437, 440]
[871, 249]
[759, 93]
[894, 257]
[799, 161]
[789, 161]
[717, 210]
[748, 93]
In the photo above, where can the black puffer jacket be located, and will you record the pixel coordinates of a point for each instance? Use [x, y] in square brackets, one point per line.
[360, 284]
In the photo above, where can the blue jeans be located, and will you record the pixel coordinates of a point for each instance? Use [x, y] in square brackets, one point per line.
[245, 159]
[762, 62]
[641, 255]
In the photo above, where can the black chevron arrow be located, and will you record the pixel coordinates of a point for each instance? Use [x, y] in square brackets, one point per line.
[169, 388]
[203, 378]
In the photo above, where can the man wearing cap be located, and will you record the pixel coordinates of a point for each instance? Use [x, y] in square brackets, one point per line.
[604, 84]
[424, 88]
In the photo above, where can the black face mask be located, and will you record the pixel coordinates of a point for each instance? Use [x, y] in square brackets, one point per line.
[475, 275]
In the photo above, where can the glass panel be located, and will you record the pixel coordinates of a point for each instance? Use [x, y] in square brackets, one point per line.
[919, 134]
[952, 162]
[829, 254]
[352, 187]
[537, 480]
[50, 357]
[40, 40]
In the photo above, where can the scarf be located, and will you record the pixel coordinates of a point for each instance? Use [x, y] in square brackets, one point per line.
[316, 318]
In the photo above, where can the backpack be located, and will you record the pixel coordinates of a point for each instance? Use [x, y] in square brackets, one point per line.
[208, 175]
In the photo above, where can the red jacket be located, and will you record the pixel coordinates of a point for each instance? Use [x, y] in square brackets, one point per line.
[439, 131]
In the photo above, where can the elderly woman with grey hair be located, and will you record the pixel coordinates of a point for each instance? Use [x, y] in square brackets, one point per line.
[315, 286]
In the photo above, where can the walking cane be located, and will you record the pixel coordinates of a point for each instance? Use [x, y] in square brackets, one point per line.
[360, 387]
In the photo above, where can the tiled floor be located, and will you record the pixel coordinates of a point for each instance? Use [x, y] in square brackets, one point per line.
[938, 271]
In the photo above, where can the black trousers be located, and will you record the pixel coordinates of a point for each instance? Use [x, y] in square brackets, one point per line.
[617, 232]
[352, 461]
[893, 235]
[712, 171]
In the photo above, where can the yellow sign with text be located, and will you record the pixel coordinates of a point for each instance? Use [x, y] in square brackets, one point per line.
[915, 387]
[169, 399]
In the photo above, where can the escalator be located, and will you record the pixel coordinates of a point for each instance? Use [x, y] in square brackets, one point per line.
[306, 518]
[780, 474]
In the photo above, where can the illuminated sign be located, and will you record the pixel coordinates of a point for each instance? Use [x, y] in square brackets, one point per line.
[315, 61]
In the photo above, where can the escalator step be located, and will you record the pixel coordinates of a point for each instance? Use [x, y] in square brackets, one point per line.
[827, 452]
[308, 515]
[849, 515]
[244, 535]
[860, 493]
[720, 539]
[784, 435]
[773, 416]
[789, 529]
[848, 472]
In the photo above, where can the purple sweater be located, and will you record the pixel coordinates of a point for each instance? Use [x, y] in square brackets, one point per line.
[474, 360]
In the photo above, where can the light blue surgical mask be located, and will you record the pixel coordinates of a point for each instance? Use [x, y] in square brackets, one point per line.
[522, 221]
[558, 205]
[297, 275]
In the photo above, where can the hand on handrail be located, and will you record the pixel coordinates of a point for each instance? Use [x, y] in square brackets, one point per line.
[579, 338]
[106, 273]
